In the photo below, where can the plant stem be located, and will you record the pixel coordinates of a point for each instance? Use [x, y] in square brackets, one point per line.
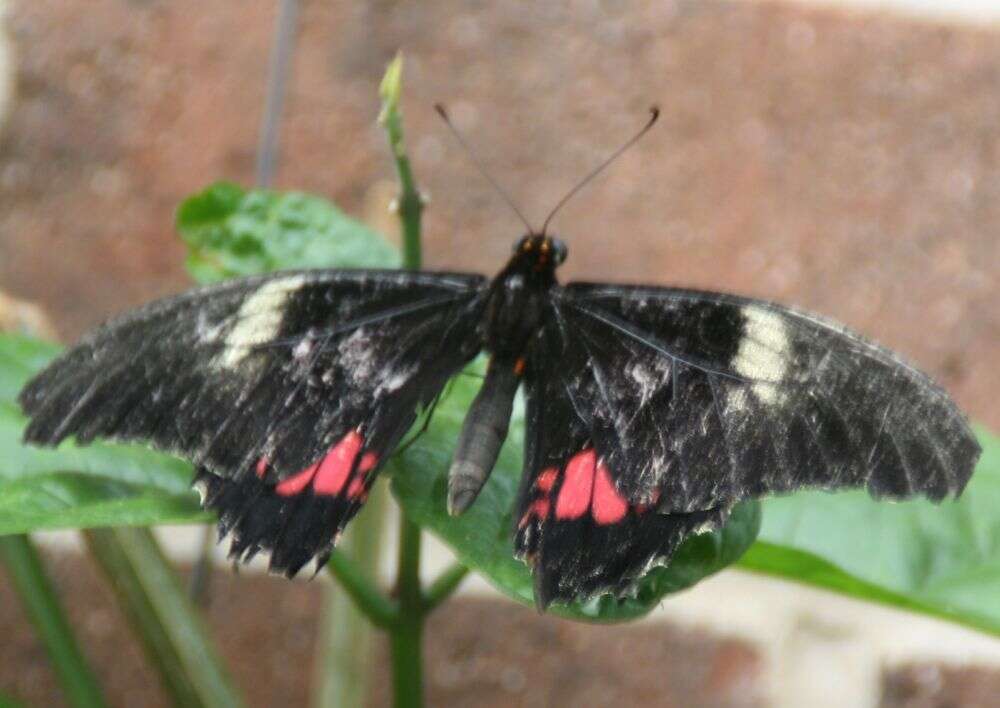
[407, 632]
[410, 203]
[42, 605]
[443, 586]
[356, 576]
[160, 612]
[343, 658]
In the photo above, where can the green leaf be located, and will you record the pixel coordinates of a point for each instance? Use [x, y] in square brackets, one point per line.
[481, 537]
[235, 232]
[20, 357]
[103, 484]
[8, 702]
[942, 560]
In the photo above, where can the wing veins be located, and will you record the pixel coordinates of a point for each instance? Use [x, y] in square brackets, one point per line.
[733, 465]
[374, 318]
[644, 338]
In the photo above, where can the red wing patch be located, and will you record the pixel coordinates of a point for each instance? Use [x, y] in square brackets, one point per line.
[607, 506]
[332, 474]
[336, 467]
[585, 486]
[578, 486]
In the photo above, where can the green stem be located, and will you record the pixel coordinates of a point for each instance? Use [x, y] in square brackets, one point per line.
[42, 605]
[351, 606]
[160, 612]
[410, 203]
[443, 586]
[407, 632]
[359, 586]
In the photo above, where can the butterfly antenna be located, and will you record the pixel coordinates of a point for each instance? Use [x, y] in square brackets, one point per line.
[654, 114]
[479, 165]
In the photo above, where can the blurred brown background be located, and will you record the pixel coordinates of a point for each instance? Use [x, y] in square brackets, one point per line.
[845, 163]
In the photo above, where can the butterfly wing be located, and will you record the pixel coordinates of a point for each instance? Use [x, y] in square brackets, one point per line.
[580, 536]
[688, 402]
[287, 391]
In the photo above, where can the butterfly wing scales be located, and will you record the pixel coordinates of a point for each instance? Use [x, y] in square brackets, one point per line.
[754, 398]
[688, 402]
[580, 537]
[288, 391]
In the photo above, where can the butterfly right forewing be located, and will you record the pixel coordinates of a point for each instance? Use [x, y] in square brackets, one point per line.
[288, 391]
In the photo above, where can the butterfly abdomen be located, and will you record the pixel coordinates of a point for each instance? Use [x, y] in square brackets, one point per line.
[483, 433]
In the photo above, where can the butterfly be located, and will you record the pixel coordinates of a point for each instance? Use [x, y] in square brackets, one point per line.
[650, 411]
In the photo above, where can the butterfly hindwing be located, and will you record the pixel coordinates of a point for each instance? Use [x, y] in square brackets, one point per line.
[288, 391]
[578, 533]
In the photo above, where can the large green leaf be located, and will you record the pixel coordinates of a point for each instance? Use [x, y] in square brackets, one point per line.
[481, 537]
[939, 559]
[103, 484]
[232, 232]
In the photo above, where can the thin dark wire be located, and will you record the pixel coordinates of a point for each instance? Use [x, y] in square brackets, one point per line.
[655, 113]
[479, 165]
[278, 71]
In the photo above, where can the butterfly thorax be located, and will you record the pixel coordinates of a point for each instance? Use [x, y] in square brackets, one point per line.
[518, 293]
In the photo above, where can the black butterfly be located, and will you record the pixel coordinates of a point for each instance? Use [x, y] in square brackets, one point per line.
[650, 411]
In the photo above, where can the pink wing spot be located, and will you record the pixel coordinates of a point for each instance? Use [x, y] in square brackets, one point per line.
[609, 506]
[539, 509]
[297, 482]
[356, 488]
[262, 464]
[368, 462]
[574, 495]
[546, 478]
[335, 468]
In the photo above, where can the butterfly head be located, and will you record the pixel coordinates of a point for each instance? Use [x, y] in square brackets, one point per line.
[542, 251]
